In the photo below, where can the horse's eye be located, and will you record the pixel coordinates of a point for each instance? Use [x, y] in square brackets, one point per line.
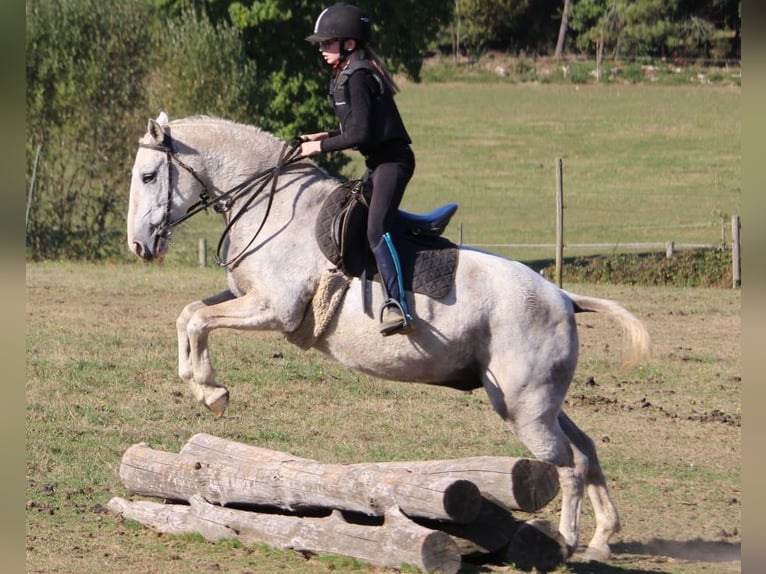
[149, 177]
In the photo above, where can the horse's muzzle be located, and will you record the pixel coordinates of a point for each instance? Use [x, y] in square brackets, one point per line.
[158, 249]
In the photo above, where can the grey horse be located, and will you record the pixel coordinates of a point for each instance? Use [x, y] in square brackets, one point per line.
[501, 326]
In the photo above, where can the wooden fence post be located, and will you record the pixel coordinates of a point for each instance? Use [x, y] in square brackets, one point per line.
[202, 252]
[736, 269]
[670, 248]
[559, 219]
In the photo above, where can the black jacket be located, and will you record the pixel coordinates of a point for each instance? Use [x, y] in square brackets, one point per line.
[368, 117]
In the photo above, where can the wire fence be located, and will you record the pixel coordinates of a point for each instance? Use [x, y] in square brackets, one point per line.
[670, 247]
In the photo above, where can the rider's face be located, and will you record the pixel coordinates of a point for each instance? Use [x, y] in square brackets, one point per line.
[330, 49]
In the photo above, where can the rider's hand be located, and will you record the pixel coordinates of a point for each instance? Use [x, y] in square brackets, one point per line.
[311, 147]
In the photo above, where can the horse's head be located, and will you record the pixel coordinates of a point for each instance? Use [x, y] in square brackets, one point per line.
[162, 188]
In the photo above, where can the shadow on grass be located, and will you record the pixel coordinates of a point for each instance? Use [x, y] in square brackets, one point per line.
[697, 550]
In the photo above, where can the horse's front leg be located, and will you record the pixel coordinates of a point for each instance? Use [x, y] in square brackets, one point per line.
[203, 386]
[249, 312]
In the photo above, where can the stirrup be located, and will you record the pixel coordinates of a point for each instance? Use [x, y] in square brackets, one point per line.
[403, 326]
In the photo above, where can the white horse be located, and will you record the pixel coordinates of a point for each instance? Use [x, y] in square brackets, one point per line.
[501, 326]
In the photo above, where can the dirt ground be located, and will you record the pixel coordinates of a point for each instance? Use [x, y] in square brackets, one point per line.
[101, 377]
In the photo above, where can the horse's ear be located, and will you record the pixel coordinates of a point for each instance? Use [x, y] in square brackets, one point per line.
[156, 128]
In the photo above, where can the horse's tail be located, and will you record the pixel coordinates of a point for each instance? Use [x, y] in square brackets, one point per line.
[638, 342]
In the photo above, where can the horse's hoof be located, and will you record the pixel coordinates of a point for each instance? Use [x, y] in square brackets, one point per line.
[596, 554]
[217, 401]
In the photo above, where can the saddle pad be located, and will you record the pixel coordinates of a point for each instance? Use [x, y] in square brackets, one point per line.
[428, 263]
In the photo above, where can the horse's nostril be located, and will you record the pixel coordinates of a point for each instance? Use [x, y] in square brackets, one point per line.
[141, 251]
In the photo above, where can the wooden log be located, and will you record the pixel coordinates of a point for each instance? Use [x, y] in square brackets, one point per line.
[491, 532]
[398, 541]
[536, 546]
[175, 519]
[513, 483]
[298, 484]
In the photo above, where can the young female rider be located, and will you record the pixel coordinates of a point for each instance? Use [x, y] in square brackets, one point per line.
[362, 93]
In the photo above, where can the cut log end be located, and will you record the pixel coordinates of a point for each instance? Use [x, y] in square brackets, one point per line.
[534, 484]
[439, 553]
[462, 501]
[537, 545]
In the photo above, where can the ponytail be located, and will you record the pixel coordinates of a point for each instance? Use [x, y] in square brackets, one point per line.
[376, 61]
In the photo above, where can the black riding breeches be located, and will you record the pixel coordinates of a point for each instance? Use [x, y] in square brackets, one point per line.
[389, 180]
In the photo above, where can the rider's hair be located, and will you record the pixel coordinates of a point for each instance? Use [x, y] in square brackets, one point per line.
[377, 61]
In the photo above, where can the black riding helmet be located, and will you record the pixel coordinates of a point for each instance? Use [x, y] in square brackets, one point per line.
[342, 21]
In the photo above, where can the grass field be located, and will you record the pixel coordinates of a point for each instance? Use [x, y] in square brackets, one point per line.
[642, 163]
[101, 377]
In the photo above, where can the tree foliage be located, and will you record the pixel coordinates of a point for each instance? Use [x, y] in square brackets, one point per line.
[509, 25]
[96, 70]
[84, 74]
[658, 28]
[631, 28]
[200, 68]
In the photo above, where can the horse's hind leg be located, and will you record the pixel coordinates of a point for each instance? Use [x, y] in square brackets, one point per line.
[549, 443]
[607, 518]
[532, 414]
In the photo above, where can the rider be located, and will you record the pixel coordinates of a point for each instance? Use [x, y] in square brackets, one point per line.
[362, 94]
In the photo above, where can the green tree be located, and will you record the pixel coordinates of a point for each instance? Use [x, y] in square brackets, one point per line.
[95, 72]
[657, 28]
[84, 74]
[291, 80]
[199, 68]
[511, 25]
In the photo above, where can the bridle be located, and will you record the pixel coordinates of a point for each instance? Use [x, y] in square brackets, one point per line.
[223, 202]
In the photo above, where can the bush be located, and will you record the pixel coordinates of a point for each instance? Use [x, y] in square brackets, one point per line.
[692, 268]
[199, 68]
[84, 72]
[581, 72]
[92, 69]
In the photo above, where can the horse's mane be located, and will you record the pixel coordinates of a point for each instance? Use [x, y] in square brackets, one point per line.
[241, 131]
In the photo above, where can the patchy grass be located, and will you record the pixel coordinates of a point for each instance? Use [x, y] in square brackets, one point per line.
[101, 376]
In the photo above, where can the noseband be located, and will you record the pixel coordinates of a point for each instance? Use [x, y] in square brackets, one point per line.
[223, 202]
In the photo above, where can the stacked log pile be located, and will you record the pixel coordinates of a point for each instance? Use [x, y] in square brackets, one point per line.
[428, 514]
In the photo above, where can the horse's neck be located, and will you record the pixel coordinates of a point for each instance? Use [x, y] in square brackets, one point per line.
[233, 152]
[230, 151]
[234, 163]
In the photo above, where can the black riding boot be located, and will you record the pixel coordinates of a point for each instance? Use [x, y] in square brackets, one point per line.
[394, 316]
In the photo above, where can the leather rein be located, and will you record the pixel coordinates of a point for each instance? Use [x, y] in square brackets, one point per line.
[223, 202]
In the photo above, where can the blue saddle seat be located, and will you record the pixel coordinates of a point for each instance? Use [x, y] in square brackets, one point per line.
[432, 223]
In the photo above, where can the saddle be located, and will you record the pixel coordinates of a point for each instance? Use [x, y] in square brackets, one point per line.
[428, 260]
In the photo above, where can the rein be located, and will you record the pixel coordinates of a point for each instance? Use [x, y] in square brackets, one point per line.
[223, 202]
